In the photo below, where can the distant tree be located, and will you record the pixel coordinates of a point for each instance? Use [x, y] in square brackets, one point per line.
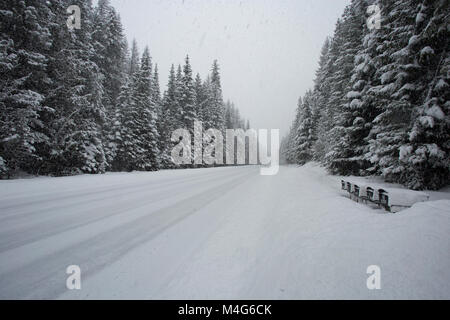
[146, 129]
[217, 105]
[188, 100]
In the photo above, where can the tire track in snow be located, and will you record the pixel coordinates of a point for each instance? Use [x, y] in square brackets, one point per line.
[45, 277]
[46, 226]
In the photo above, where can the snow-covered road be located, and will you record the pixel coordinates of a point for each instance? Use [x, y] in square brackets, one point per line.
[215, 233]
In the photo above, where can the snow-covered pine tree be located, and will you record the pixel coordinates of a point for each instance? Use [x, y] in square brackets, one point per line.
[24, 46]
[291, 145]
[156, 90]
[200, 96]
[178, 94]
[393, 94]
[124, 130]
[129, 152]
[304, 138]
[188, 99]
[206, 105]
[323, 92]
[233, 120]
[426, 155]
[165, 125]
[173, 94]
[228, 114]
[76, 96]
[161, 122]
[188, 102]
[320, 114]
[110, 46]
[360, 109]
[349, 118]
[336, 81]
[217, 105]
[133, 63]
[146, 129]
[171, 117]
[213, 110]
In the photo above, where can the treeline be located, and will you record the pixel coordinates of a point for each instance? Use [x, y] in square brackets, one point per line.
[380, 103]
[80, 101]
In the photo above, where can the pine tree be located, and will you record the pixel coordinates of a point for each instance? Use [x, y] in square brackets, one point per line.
[133, 63]
[291, 152]
[124, 137]
[170, 120]
[24, 46]
[76, 97]
[161, 122]
[207, 105]
[228, 115]
[110, 50]
[200, 95]
[217, 105]
[178, 95]
[321, 95]
[188, 99]
[426, 155]
[304, 130]
[393, 93]
[349, 124]
[146, 129]
[110, 47]
[156, 91]
[173, 99]
[360, 110]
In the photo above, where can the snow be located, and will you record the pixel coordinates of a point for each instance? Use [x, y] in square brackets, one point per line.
[420, 17]
[426, 121]
[355, 104]
[408, 87]
[387, 77]
[441, 85]
[359, 84]
[404, 152]
[413, 40]
[353, 94]
[405, 198]
[426, 51]
[217, 233]
[436, 112]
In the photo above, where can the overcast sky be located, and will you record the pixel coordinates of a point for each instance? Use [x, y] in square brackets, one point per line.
[267, 49]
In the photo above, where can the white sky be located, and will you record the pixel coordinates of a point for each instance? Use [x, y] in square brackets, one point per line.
[267, 49]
